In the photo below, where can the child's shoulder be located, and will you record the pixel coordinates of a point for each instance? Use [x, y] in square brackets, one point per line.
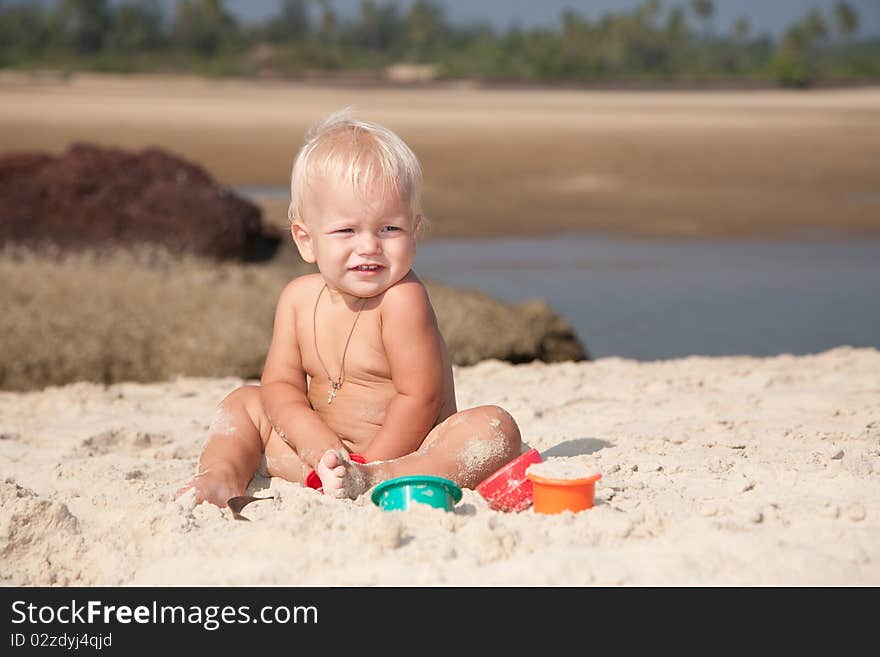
[301, 288]
[408, 295]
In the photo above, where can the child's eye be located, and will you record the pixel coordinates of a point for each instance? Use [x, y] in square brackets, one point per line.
[344, 230]
[391, 228]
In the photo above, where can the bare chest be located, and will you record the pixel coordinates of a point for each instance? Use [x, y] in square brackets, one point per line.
[343, 347]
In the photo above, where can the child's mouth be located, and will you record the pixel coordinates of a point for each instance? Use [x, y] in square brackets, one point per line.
[367, 269]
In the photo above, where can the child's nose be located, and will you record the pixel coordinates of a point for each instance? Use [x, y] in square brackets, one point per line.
[368, 244]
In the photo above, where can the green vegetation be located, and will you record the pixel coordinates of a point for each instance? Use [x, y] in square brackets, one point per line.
[652, 43]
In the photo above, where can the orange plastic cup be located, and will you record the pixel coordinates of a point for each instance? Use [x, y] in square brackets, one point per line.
[558, 495]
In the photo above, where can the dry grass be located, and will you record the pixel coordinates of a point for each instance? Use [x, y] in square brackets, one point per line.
[138, 317]
[148, 316]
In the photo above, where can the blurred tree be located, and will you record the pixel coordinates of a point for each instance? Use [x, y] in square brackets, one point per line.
[204, 26]
[136, 26]
[648, 11]
[814, 26]
[741, 29]
[291, 24]
[23, 28]
[82, 25]
[647, 46]
[795, 39]
[377, 28]
[791, 69]
[846, 18]
[577, 43]
[792, 65]
[424, 26]
[704, 10]
[679, 41]
[328, 26]
[642, 43]
[574, 26]
[676, 28]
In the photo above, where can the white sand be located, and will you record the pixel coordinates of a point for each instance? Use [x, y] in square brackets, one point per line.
[568, 468]
[715, 471]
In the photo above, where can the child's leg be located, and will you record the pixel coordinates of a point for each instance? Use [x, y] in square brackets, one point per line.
[467, 447]
[231, 454]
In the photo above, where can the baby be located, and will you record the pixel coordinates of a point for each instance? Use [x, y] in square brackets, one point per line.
[357, 386]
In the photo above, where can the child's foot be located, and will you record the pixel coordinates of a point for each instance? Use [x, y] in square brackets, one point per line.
[340, 477]
[210, 487]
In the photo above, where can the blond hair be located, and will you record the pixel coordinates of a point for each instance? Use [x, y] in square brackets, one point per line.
[365, 154]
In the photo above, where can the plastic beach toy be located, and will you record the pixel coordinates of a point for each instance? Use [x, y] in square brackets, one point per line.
[400, 493]
[557, 495]
[508, 488]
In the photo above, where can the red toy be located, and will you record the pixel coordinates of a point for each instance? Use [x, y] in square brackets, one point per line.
[508, 488]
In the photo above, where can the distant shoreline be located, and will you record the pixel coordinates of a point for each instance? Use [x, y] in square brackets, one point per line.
[373, 80]
[720, 164]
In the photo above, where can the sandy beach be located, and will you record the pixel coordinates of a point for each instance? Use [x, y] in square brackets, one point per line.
[727, 471]
[715, 471]
[765, 164]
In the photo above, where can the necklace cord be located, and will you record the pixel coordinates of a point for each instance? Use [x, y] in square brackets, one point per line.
[337, 383]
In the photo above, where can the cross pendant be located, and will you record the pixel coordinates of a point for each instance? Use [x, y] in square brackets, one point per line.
[334, 386]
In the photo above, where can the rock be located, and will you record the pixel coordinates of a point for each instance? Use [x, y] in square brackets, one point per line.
[151, 320]
[95, 198]
[478, 327]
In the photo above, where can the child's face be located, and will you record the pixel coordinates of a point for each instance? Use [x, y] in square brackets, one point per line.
[362, 243]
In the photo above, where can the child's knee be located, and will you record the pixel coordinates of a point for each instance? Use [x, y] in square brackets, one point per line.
[244, 400]
[240, 409]
[504, 426]
[244, 397]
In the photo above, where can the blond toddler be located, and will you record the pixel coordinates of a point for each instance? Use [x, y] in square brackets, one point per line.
[357, 386]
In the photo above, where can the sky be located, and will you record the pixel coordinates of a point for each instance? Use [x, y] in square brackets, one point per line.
[765, 16]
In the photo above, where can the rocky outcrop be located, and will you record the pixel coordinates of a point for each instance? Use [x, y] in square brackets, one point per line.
[120, 318]
[96, 198]
[478, 327]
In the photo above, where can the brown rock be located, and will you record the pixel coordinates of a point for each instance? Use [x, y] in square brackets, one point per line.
[477, 327]
[94, 198]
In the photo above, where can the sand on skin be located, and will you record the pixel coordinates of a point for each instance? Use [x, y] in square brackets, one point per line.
[732, 470]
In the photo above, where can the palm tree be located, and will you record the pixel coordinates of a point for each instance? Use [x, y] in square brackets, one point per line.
[328, 26]
[704, 10]
[649, 10]
[847, 19]
[84, 22]
[741, 29]
[815, 27]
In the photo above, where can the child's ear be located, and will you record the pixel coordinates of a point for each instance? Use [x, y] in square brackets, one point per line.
[417, 225]
[303, 241]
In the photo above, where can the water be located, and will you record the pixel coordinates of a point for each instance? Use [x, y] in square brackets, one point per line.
[654, 300]
[258, 192]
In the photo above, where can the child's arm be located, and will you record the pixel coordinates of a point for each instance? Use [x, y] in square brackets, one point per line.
[414, 350]
[283, 389]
